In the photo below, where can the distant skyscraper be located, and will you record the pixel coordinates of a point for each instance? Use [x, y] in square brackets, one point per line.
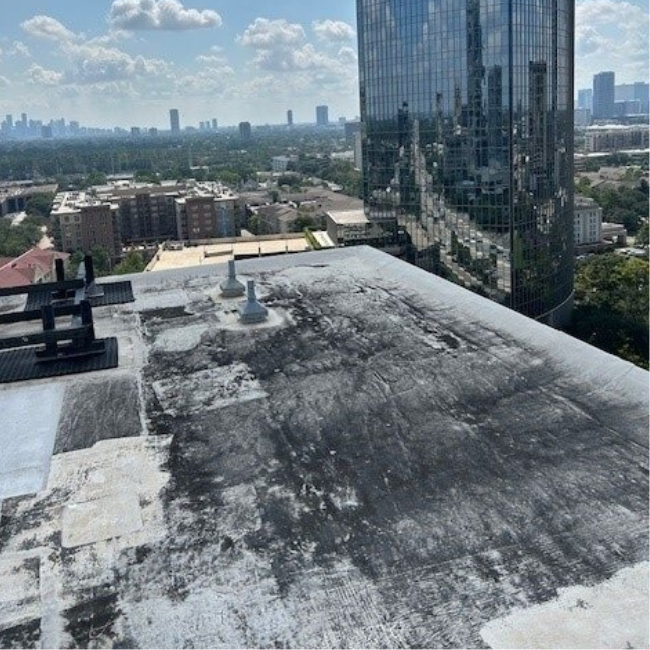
[642, 94]
[289, 117]
[604, 95]
[467, 112]
[634, 92]
[322, 115]
[174, 121]
[585, 98]
[245, 131]
[215, 124]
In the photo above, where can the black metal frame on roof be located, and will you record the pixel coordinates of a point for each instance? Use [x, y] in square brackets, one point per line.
[84, 287]
[64, 350]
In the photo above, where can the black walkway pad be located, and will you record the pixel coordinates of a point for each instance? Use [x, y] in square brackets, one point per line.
[23, 364]
[115, 293]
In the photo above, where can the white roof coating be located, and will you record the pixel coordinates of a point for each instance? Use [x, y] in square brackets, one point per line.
[388, 461]
[29, 418]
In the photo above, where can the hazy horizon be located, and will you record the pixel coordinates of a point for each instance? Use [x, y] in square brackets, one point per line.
[127, 62]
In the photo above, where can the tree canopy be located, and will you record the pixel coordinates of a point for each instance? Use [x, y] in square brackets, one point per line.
[133, 262]
[15, 240]
[624, 205]
[612, 306]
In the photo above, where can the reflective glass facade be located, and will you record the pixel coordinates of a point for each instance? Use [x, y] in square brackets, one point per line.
[467, 112]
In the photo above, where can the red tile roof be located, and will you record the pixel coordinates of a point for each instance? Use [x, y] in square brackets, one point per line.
[28, 267]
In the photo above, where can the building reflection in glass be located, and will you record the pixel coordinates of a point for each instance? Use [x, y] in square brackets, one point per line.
[467, 111]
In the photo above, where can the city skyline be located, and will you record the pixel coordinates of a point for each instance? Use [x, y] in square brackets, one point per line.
[127, 62]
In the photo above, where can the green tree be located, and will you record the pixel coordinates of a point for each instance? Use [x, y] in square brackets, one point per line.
[642, 235]
[101, 261]
[94, 178]
[612, 306]
[16, 240]
[133, 262]
[302, 222]
[39, 205]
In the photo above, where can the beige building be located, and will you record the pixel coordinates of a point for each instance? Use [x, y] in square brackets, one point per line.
[86, 222]
[617, 137]
[588, 221]
[347, 227]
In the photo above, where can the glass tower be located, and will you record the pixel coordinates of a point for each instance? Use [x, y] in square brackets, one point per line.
[467, 122]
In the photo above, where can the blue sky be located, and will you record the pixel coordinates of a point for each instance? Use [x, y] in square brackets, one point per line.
[126, 62]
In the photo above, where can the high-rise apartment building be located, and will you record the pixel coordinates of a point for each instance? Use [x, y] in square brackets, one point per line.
[86, 222]
[174, 121]
[604, 95]
[322, 115]
[467, 124]
[585, 98]
[289, 117]
[634, 92]
[207, 211]
[245, 131]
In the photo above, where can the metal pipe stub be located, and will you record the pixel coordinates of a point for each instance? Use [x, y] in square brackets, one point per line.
[252, 311]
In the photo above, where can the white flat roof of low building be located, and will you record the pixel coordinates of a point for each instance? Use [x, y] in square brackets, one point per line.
[348, 217]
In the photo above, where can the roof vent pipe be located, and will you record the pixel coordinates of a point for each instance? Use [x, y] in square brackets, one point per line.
[232, 288]
[252, 311]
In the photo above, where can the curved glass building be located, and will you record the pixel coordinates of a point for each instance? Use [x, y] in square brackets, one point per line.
[467, 122]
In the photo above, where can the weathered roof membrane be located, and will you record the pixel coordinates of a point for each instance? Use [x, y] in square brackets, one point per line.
[387, 461]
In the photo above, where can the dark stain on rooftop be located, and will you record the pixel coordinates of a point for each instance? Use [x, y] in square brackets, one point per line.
[408, 459]
[25, 635]
[89, 414]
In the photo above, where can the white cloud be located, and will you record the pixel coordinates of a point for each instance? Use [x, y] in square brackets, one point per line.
[92, 61]
[42, 77]
[281, 46]
[211, 59]
[111, 37]
[20, 49]
[160, 14]
[348, 55]
[208, 81]
[97, 64]
[4, 82]
[611, 35]
[333, 30]
[48, 28]
[272, 34]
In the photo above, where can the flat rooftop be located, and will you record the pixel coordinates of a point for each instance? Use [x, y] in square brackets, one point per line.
[212, 254]
[389, 461]
[348, 217]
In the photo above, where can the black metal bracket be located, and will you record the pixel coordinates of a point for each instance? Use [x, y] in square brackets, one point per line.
[83, 287]
[57, 350]
[80, 336]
